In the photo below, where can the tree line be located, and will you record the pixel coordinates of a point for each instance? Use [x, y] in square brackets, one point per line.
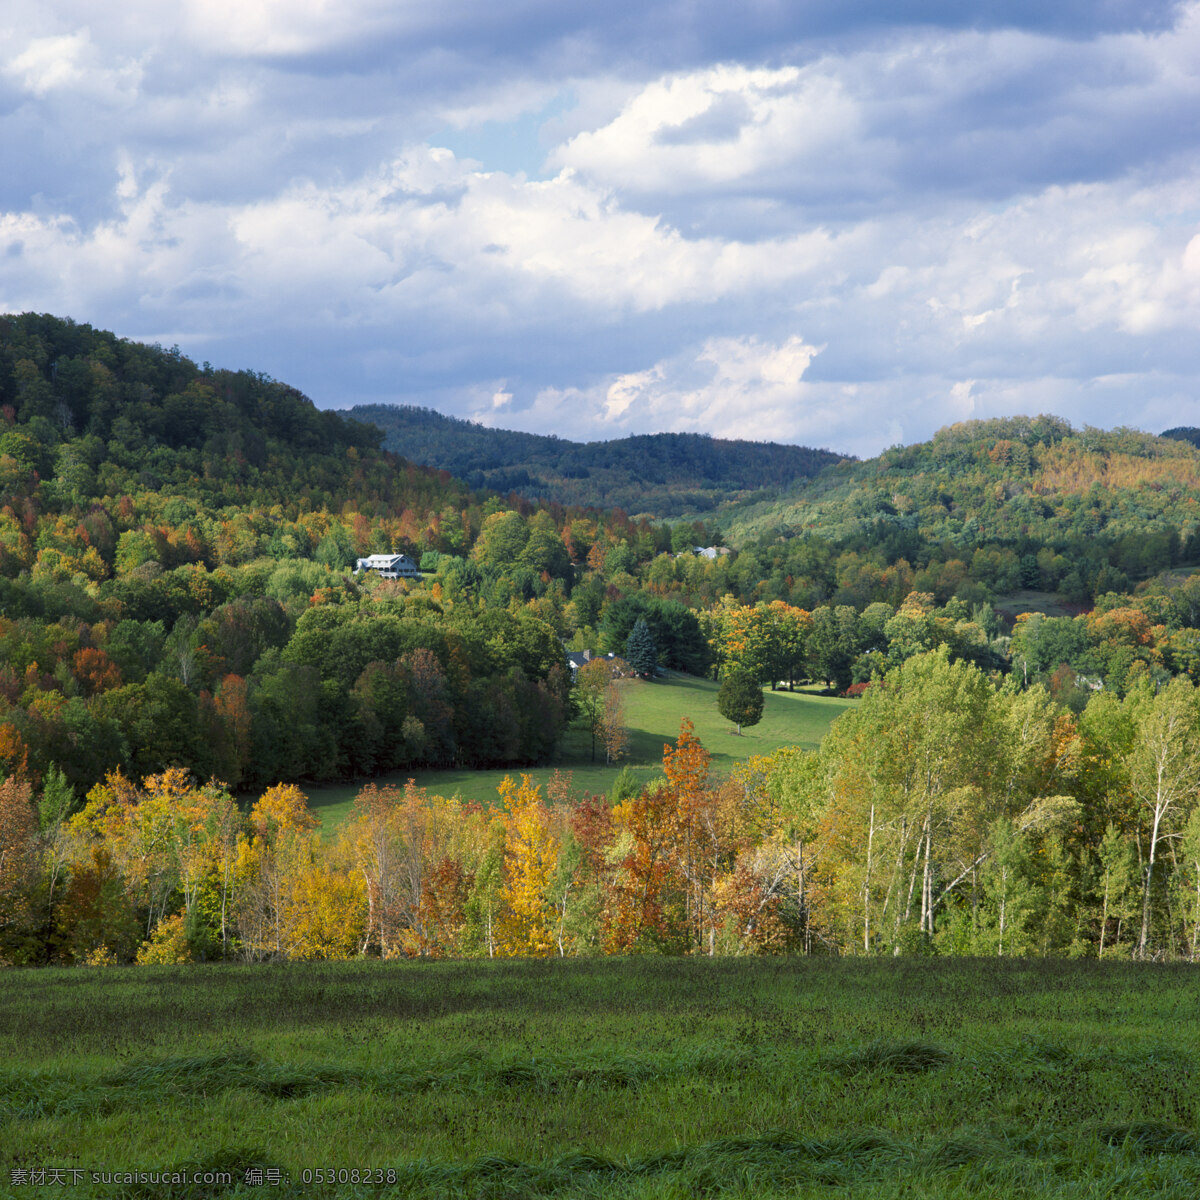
[358, 684]
[943, 815]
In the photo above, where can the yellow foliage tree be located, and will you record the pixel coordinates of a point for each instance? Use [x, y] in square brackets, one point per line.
[169, 836]
[325, 912]
[168, 943]
[278, 844]
[530, 857]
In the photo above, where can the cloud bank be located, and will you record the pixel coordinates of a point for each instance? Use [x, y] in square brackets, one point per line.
[811, 222]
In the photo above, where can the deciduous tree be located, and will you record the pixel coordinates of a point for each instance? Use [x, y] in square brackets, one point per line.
[527, 925]
[1164, 777]
[740, 698]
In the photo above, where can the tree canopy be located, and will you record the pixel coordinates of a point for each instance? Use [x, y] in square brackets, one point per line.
[740, 698]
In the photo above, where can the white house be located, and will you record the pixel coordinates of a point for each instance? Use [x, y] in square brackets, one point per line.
[389, 566]
[577, 658]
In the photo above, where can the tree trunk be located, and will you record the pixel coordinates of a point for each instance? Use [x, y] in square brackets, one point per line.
[1103, 916]
[1144, 936]
[867, 886]
[1003, 903]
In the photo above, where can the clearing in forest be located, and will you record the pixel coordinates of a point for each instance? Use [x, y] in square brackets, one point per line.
[653, 712]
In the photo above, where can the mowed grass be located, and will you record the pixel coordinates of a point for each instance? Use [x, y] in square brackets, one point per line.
[654, 710]
[1049, 604]
[642, 1077]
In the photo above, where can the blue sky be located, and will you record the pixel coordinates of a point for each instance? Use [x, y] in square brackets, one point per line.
[831, 222]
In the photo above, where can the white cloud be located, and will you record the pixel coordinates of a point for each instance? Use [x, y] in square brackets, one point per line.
[979, 220]
[625, 390]
[47, 63]
[919, 118]
[729, 387]
[71, 63]
[709, 128]
[289, 27]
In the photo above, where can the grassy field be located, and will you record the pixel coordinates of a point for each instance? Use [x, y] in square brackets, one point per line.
[653, 711]
[1049, 604]
[609, 1078]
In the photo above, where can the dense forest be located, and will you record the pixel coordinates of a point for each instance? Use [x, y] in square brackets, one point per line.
[664, 474]
[174, 545]
[179, 616]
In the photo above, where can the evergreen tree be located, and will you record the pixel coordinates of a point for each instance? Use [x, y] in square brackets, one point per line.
[740, 699]
[640, 651]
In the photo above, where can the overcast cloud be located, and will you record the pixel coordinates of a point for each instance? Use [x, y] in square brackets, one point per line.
[815, 221]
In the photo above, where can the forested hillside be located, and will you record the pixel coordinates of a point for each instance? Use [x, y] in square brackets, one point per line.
[1020, 477]
[1004, 504]
[174, 545]
[664, 474]
[1184, 433]
[179, 617]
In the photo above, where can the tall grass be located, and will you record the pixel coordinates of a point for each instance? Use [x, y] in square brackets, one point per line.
[613, 1078]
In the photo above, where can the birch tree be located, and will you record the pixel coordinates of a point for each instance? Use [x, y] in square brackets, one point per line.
[1164, 773]
[1117, 887]
[1187, 884]
[897, 767]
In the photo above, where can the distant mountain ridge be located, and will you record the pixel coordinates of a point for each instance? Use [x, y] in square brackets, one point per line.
[665, 474]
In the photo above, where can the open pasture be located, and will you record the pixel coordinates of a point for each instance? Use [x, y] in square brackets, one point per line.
[640, 1077]
[653, 712]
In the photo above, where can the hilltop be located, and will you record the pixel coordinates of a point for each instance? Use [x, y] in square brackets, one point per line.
[176, 587]
[665, 474]
[1011, 479]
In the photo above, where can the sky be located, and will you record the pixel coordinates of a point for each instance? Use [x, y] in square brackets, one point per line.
[840, 223]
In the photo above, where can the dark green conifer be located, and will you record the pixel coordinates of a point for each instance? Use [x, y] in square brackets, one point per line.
[640, 651]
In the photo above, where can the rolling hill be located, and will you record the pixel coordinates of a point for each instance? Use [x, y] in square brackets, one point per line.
[1007, 479]
[664, 474]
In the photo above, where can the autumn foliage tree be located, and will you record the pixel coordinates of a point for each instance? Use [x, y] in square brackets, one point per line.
[18, 869]
[269, 851]
[530, 857]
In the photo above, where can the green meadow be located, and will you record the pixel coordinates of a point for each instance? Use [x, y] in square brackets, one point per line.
[637, 1077]
[654, 710]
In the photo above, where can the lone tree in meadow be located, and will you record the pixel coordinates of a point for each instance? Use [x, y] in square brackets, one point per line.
[640, 651]
[600, 706]
[740, 699]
